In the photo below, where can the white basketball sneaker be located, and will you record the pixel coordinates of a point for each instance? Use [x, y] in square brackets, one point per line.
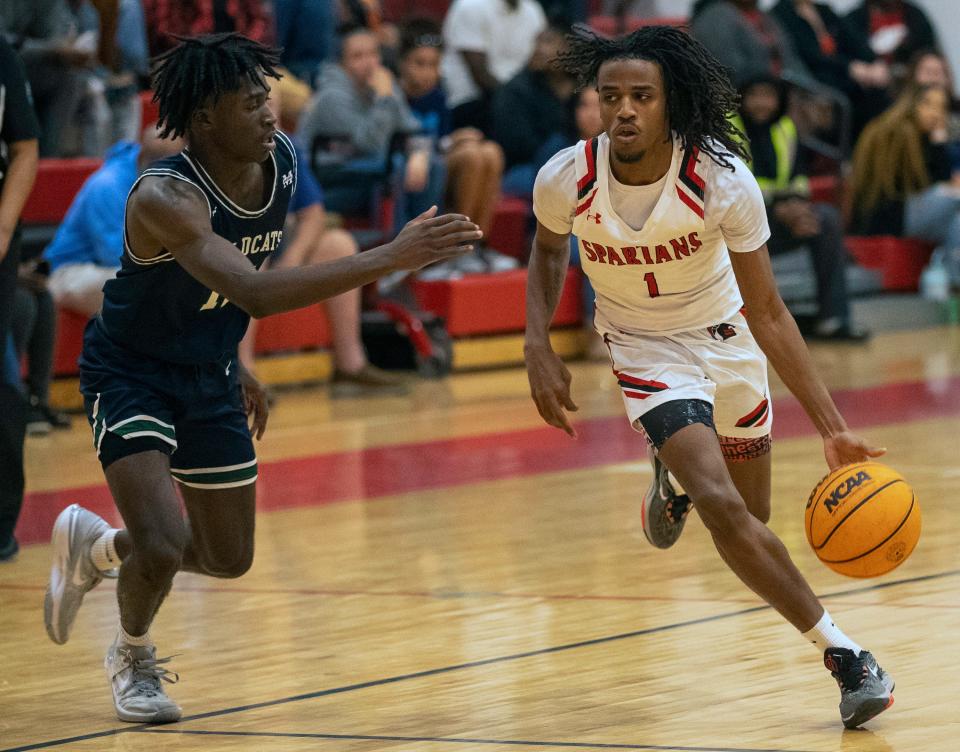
[73, 574]
[136, 677]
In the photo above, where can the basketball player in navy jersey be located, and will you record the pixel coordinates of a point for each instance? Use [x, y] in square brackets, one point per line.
[163, 389]
[672, 232]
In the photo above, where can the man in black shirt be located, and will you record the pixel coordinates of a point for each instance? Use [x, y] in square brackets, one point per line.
[18, 168]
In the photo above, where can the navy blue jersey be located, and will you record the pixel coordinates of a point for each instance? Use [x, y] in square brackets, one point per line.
[154, 307]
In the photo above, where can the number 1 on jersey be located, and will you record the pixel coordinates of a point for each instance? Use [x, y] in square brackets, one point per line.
[651, 281]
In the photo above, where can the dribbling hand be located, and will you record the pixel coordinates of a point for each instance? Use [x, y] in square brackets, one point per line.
[428, 238]
[846, 448]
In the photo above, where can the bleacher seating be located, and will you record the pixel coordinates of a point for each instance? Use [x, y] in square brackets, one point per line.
[899, 260]
[509, 232]
[472, 306]
[492, 303]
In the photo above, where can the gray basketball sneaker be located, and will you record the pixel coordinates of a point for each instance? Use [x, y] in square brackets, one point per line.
[664, 511]
[866, 690]
[135, 676]
[72, 575]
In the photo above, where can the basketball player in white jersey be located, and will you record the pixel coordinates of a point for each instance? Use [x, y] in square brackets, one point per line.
[672, 232]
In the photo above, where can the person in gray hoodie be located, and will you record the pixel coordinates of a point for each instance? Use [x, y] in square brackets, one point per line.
[349, 126]
[746, 40]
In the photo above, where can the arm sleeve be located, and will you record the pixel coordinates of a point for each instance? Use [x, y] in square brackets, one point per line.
[555, 192]
[742, 212]
[19, 122]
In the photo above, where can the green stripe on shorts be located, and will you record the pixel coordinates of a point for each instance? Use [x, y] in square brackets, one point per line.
[137, 426]
[237, 476]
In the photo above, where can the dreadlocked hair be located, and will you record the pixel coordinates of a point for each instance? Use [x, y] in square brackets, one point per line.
[201, 69]
[700, 97]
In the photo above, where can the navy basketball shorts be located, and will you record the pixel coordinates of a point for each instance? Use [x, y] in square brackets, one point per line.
[193, 413]
[721, 365]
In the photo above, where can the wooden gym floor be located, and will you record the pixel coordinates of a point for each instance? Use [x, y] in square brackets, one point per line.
[481, 584]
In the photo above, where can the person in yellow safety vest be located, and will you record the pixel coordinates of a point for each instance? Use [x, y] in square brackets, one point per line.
[795, 221]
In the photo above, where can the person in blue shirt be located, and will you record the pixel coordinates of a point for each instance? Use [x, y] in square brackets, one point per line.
[86, 250]
[308, 240]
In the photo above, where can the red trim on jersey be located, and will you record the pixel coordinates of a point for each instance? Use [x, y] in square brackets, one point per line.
[697, 209]
[692, 168]
[586, 204]
[583, 184]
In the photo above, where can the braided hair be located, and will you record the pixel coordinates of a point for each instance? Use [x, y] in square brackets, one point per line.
[201, 69]
[700, 97]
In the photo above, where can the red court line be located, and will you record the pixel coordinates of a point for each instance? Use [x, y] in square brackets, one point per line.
[384, 471]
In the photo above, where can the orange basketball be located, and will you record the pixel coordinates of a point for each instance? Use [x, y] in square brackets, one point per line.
[863, 520]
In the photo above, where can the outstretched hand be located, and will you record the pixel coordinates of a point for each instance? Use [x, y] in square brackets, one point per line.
[550, 387]
[428, 238]
[846, 448]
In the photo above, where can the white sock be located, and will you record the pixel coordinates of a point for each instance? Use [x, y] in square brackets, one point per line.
[103, 554]
[144, 640]
[825, 634]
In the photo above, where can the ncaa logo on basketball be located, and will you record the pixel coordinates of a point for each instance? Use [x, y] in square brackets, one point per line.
[841, 492]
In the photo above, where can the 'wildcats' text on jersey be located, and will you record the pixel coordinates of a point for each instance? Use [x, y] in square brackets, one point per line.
[155, 307]
[656, 255]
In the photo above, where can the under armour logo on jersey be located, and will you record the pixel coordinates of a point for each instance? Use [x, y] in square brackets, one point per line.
[288, 178]
[594, 217]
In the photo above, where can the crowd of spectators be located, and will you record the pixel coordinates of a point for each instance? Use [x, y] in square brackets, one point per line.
[463, 107]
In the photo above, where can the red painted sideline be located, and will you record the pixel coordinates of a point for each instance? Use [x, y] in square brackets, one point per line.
[384, 471]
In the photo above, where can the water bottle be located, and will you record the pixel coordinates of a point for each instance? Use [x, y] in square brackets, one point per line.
[935, 278]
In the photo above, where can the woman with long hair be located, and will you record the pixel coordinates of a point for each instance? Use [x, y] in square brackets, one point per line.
[901, 170]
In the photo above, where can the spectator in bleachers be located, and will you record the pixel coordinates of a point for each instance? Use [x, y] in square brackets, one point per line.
[86, 250]
[108, 109]
[355, 117]
[533, 113]
[55, 58]
[795, 220]
[19, 133]
[486, 43]
[895, 30]
[836, 56]
[307, 239]
[369, 13]
[903, 180]
[34, 332]
[929, 68]
[307, 34]
[474, 163]
[190, 18]
[746, 40]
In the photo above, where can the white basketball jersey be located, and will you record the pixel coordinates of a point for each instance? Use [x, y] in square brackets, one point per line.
[674, 273]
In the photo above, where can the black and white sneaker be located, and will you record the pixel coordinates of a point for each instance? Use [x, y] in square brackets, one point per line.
[664, 510]
[866, 690]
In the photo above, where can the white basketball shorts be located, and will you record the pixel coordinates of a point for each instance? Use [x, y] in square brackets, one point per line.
[722, 365]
